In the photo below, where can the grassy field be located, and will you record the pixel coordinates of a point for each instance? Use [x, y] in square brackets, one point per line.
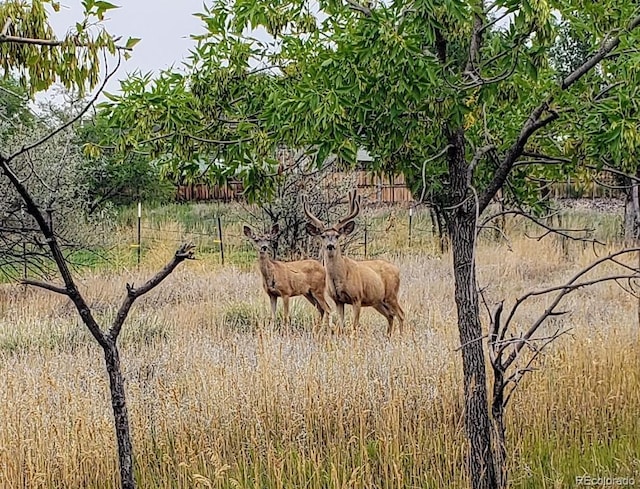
[218, 398]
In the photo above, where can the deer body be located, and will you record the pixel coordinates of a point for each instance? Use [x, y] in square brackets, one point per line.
[289, 279]
[359, 281]
[369, 283]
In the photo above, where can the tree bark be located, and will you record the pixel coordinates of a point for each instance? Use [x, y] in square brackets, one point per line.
[461, 221]
[120, 414]
[500, 440]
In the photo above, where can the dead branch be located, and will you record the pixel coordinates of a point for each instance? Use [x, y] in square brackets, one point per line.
[563, 232]
[517, 376]
[614, 171]
[185, 252]
[497, 336]
[479, 338]
[477, 157]
[569, 287]
[47, 286]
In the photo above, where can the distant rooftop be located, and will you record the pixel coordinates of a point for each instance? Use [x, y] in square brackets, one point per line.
[363, 155]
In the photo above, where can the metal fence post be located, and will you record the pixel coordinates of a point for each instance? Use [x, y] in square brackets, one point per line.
[220, 239]
[139, 231]
[365, 240]
[410, 224]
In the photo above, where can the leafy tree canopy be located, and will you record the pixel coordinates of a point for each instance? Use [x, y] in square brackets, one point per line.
[400, 80]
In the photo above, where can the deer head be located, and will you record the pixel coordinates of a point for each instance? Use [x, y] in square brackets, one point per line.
[331, 235]
[262, 242]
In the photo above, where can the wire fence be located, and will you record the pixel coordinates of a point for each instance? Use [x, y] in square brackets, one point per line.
[382, 232]
[222, 240]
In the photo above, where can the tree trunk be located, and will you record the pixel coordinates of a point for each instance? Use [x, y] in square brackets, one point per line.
[461, 220]
[632, 215]
[500, 440]
[481, 465]
[632, 223]
[120, 414]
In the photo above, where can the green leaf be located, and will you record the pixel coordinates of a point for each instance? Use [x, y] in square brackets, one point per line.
[131, 42]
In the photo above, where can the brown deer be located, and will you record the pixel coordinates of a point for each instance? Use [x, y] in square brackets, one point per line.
[289, 279]
[369, 283]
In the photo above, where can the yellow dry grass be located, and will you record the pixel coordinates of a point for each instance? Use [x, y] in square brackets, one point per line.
[218, 398]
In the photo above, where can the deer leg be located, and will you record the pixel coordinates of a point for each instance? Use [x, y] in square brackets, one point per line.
[398, 312]
[285, 301]
[274, 304]
[356, 315]
[387, 313]
[340, 309]
[310, 297]
[321, 304]
[325, 311]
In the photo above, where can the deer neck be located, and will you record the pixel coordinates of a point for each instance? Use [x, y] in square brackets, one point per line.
[266, 266]
[336, 267]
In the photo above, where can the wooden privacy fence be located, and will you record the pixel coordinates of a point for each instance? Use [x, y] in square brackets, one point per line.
[383, 189]
[375, 189]
[195, 192]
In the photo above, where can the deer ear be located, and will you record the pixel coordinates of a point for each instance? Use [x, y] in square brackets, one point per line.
[348, 228]
[248, 232]
[275, 229]
[312, 230]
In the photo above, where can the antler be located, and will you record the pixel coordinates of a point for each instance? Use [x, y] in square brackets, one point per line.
[354, 209]
[314, 220]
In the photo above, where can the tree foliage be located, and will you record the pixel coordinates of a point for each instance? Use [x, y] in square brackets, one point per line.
[390, 80]
[110, 179]
[30, 50]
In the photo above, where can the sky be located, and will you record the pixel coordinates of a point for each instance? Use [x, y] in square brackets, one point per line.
[164, 26]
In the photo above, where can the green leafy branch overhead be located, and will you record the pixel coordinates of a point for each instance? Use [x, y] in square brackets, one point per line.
[27, 41]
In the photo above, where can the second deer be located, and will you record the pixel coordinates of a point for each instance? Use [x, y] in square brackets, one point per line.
[367, 283]
[289, 279]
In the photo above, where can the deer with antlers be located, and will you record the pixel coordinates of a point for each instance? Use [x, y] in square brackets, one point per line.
[368, 283]
[289, 279]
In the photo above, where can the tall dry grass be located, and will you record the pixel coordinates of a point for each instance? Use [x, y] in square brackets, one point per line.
[218, 398]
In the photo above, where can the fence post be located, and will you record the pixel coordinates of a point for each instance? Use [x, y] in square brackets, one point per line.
[220, 239]
[139, 231]
[365, 240]
[24, 249]
[410, 222]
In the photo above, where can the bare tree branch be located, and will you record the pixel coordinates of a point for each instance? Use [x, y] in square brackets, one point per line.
[517, 376]
[47, 286]
[9, 39]
[562, 290]
[185, 252]
[614, 171]
[564, 232]
[424, 169]
[6, 27]
[477, 157]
